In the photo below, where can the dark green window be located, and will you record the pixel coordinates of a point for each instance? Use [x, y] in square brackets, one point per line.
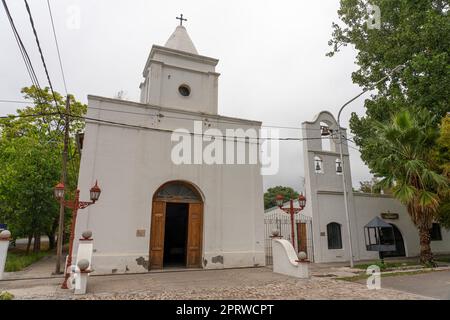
[435, 232]
[334, 236]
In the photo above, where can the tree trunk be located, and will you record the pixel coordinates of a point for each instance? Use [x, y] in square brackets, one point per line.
[51, 241]
[52, 234]
[37, 242]
[426, 256]
[30, 237]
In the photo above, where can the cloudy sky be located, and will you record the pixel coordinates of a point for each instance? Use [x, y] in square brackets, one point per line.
[272, 58]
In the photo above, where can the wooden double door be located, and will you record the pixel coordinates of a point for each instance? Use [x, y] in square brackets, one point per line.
[192, 230]
[302, 238]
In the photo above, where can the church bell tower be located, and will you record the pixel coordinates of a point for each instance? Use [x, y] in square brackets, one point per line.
[176, 76]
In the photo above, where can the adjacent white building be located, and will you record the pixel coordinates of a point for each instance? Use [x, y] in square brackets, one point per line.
[154, 213]
[325, 205]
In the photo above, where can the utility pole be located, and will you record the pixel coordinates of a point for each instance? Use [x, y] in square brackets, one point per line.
[341, 156]
[60, 241]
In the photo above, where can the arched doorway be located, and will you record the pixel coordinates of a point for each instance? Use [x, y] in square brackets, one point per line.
[399, 244]
[176, 226]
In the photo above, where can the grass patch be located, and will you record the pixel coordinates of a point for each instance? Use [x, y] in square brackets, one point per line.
[443, 259]
[363, 276]
[387, 265]
[16, 261]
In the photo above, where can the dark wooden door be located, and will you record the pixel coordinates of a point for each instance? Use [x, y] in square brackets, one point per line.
[195, 232]
[302, 237]
[157, 235]
[399, 244]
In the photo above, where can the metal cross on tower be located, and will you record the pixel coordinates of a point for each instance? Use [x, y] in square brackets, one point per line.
[181, 19]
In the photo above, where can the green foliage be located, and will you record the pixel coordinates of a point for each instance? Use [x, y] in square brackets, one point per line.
[270, 196]
[19, 261]
[404, 162]
[413, 33]
[443, 259]
[388, 265]
[442, 155]
[30, 169]
[30, 162]
[5, 295]
[399, 132]
[371, 186]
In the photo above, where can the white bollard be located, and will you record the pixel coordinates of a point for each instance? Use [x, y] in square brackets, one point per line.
[82, 274]
[303, 265]
[83, 262]
[303, 270]
[82, 284]
[5, 236]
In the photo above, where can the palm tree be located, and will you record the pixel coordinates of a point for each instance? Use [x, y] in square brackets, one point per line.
[406, 165]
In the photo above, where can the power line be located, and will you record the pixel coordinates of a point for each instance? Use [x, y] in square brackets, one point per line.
[166, 130]
[205, 119]
[160, 115]
[41, 53]
[134, 126]
[223, 137]
[13, 101]
[23, 51]
[30, 115]
[57, 46]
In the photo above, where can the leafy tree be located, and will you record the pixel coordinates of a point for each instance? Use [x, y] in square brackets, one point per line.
[29, 168]
[30, 164]
[413, 33]
[370, 186]
[270, 195]
[405, 164]
[443, 158]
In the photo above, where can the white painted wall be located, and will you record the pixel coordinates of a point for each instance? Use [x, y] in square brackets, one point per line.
[166, 69]
[131, 164]
[325, 203]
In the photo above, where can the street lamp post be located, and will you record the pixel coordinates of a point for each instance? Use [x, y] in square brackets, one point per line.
[292, 211]
[396, 69]
[74, 205]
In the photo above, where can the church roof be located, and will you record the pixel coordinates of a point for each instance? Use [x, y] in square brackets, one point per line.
[180, 40]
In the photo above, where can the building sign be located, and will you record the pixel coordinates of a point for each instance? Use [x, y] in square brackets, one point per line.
[389, 215]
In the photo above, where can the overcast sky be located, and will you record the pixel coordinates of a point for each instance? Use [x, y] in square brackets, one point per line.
[272, 58]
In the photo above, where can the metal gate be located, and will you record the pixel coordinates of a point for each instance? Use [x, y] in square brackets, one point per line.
[282, 222]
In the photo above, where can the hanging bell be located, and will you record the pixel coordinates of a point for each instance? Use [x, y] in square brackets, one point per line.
[339, 167]
[318, 168]
[324, 131]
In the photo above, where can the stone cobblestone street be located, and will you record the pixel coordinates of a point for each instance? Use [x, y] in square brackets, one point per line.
[234, 284]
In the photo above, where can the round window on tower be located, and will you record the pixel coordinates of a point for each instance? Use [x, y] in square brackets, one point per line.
[184, 90]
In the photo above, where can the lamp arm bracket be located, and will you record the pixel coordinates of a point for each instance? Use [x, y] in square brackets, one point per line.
[85, 204]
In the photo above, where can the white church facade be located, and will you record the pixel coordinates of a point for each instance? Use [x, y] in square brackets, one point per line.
[155, 213]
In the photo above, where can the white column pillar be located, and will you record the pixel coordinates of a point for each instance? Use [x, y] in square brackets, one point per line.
[5, 235]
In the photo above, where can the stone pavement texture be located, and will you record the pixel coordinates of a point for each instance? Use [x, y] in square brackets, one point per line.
[235, 284]
[433, 284]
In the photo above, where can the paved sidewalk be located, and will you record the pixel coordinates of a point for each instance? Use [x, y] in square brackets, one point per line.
[239, 284]
[434, 284]
[43, 268]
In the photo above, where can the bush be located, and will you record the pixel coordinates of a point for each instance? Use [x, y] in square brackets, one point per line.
[6, 296]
